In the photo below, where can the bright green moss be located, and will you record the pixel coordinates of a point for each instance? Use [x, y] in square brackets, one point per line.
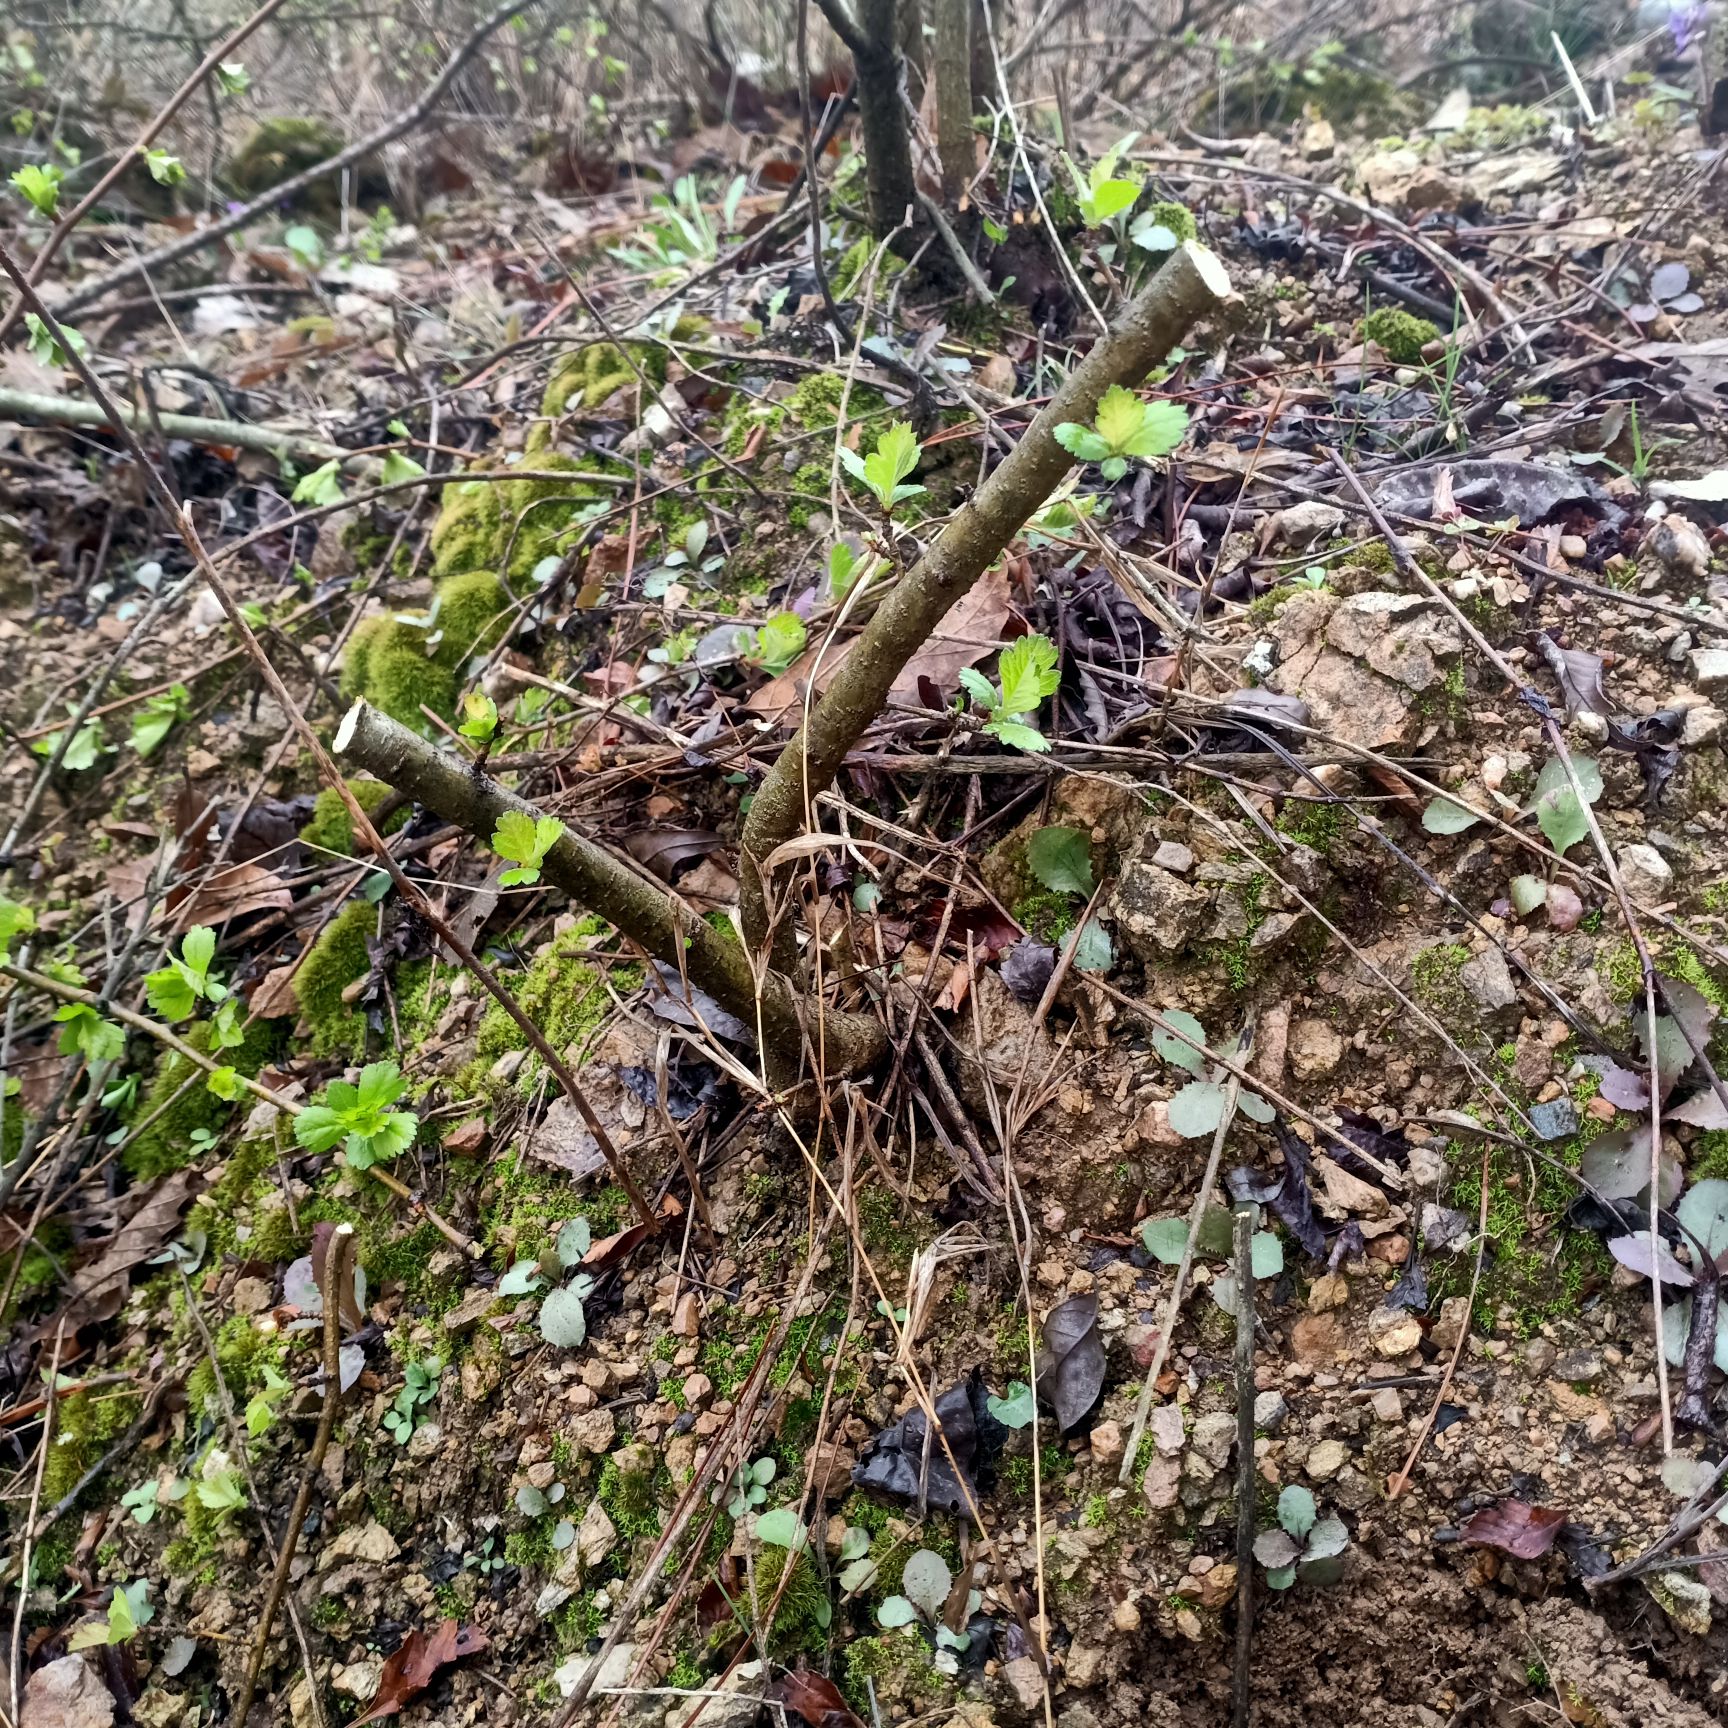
[1710, 1156]
[1178, 218]
[338, 959]
[467, 533]
[387, 663]
[470, 615]
[1049, 917]
[894, 1669]
[541, 517]
[243, 1350]
[798, 1617]
[167, 1144]
[1434, 978]
[86, 1424]
[628, 1496]
[815, 402]
[1399, 335]
[560, 992]
[810, 490]
[331, 828]
[849, 275]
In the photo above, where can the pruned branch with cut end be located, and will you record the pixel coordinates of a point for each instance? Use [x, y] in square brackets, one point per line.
[789, 1024]
[1191, 284]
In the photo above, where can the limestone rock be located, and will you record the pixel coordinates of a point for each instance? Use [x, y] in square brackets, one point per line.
[1645, 873]
[1314, 1050]
[1156, 911]
[1488, 979]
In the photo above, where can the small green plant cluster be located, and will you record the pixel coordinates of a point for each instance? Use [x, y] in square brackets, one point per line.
[419, 1387]
[359, 1116]
[1301, 1545]
[1124, 427]
[1027, 673]
[1399, 335]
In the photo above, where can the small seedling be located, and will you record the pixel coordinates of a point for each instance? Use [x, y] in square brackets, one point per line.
[925, 1586]
[748, 1487]
[16, 919]
[85, 1031]
[219, 1486]
[524, 841]
[857, 1569]
[479, 717]
[1015, 1409]
[128, 1612]
[1028, 673]
[85, 746]
[1124, 427]
[38, 184]
[420, 1386]
[1198, 1108]
[176, 989]
[532, 1502]
[165, 170]
[882, 472]
[43, 345]
[1301, 1545]
[778, 642]
[261, 1406]
[149, 1497]
[1559, 814]
[158, 716]
[1099, 192]
[360, 1116]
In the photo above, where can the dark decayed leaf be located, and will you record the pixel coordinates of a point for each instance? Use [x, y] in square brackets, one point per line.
[1625, 1089]
[1071, 1365]
[1027, 969]
[896, 1460]
[1294, 1201]
[815, 1699]
[417, 1662]
[1579, 674]
[666, 851]
[1498, 487]
[1348, 1244]
[1515, 1527]
[672, 998]
[1359, 1133]
[1634, 1252]
[1411, 1290]
[1654, 741]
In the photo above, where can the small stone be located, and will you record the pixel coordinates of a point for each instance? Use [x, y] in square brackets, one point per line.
[1704, 725]
[610, 1671]
[1445, 1226]
[1330, 1290]
[1390, 1250]
[1710, 668]
[1214, 1435]
[1326, 1460]
[1578, 1367]
[541, 1474]
[1591, 726]
[596, 1535]
[1574, 547]
[1025, 1682]
[1315, 1049]
[1453, 1323]
[1645, 873]
[1555, 1120]
[1679, 548]
[1085, 1665]
[253, 1295]
[68, 1693]
[201, 764]
[472, 1309]
[1174, 856]
[698, 1389]
[1188, 1624]
[1107, 1443]
[369, 1541]
[1394, 1331]
[1540, 1355]
[1316, 1340]
[1167, 1429]
[1489, 981]
[1271, 1410]
[1162, 1483]
[427, 1441]
[1387, 1405]
[594, 1431]
[1125, 1616]
[359, 1680]
[1599, 1428]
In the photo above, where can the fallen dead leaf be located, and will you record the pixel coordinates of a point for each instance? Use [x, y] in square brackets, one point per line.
[234, 893]
[1515, 1527]
[417, 1662]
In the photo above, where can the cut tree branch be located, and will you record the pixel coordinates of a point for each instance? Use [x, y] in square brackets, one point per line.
[642, 909]
[270, 202]
[1188, 286]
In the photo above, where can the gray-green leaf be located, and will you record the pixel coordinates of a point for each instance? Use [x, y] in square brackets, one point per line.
[563, 1321]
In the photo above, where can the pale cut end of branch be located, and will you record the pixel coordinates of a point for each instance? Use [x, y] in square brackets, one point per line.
[1209, 267]
[350, 724]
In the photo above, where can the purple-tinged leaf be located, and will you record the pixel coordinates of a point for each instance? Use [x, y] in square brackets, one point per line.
[1702, 1110]
[1625, 1089]
[1633, 1252]
[1669, 280]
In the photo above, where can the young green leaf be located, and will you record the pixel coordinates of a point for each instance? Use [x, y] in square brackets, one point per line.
[1017, 733]
[1197, 1110]
[322, 486]
[1165, 1239]
[157, 716]
[85, 1031]
[1093, 949]
[982, 692]
[16, 919]
[45, 348]
[479, 717]
[176, 989]
[1443, 816]
[39, 186]
[780, 641]
[1014, 1408]
[165, 170]
[563, 1320]
[360, 1115]
[233, 78]
[895, 456]
[524, 840]
[224, 1083]
[1124, 427]
[304, 243]
[1561, 818]
[1296, 1510]
[1172, 1049]
[398, 467]
[85, 746]
[1061, 859]
[842, 566]
[1029, 673]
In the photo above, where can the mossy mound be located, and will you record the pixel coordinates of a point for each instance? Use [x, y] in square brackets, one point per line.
[331, 828]
[166, 1144]
[400, 664]
[588, 377]
[280, 148]
[1400, 336]
[338, 959]
[510, 525]
[561, 993]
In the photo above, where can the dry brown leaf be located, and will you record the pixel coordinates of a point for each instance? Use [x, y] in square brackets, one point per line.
[417, 1662]
[233, 893]
[275, 996]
